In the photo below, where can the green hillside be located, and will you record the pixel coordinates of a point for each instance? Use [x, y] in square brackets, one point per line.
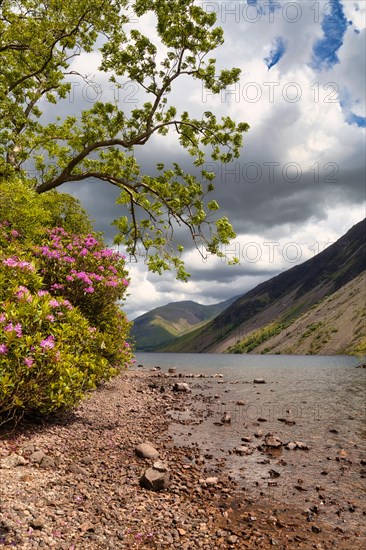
[163, 325]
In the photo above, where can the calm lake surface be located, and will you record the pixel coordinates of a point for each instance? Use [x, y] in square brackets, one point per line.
[319, 400]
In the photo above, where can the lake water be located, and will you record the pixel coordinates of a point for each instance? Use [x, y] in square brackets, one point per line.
[319, 400]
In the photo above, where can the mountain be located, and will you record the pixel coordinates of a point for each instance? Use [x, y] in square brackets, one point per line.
[267, 311]
[164, 324]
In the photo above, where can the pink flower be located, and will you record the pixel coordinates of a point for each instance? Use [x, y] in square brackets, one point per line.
[50, 318]
[48, 343]
[10, 262]
[18, 330]
[3, 349]
[54, 303]
[57, 286]
[89, 289]
[42, 293]
[28, 361]
[2, 317]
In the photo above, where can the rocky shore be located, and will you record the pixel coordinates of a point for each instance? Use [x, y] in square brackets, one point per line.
[79, 482]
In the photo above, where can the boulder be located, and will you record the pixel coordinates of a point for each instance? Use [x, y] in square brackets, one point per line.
[156, 478]
[259, 381]
[146, 450]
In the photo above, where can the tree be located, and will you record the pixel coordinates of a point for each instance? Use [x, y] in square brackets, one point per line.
[39, 39]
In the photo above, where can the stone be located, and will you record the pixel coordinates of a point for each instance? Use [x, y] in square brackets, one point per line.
[301, 445]
[155, 479]
[211, 480]
[28, 448]
[76, 469]
[181, 386]
[226, 419]
[37, 523]
[232, 539]
[47, 462]
[11, 461]
[291, 446]
[146, 450]
[172, 370]
[160, 466]
[240, 403]
[259, 381]
[37, 457]
[272, 441]
[243, 450]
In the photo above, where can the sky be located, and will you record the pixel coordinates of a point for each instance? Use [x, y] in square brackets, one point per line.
[299, 183]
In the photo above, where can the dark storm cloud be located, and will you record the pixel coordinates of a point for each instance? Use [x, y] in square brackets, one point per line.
[302, 159]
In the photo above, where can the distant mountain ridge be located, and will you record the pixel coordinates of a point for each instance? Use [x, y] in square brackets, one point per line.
[164, 324]
[274, 305]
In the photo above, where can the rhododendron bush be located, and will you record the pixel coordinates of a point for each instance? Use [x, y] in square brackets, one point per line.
[61, 329]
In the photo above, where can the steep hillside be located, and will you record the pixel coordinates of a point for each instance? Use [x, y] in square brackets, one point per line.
[284, 298]
[336, 325]
[164, 324]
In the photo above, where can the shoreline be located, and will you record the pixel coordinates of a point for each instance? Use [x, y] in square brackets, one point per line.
[77, 484]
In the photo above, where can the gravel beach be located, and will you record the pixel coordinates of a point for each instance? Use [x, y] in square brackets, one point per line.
[75, 483]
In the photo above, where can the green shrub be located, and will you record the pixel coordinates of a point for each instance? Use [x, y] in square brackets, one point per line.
[51, 351]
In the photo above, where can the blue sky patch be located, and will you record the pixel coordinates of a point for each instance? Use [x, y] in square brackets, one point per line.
[346, 104]
[334, 26]
[276, 53]
[351, 118]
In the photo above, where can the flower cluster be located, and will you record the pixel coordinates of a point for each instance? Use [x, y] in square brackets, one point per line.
[61, 330]
[15, 262]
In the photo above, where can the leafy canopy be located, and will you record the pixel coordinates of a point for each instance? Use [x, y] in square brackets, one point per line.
[40, 39]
